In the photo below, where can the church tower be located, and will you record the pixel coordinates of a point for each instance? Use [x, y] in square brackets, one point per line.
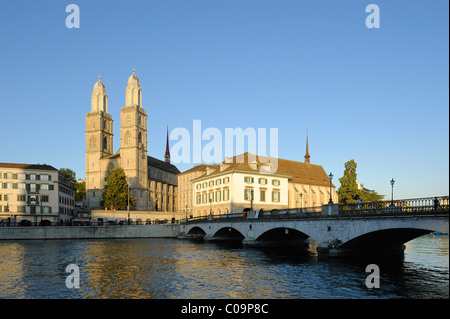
[133, 142]
[99, 142]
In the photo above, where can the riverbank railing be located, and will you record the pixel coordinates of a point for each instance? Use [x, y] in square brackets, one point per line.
[414, 205]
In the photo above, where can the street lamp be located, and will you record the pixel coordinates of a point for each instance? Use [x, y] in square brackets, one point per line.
[210, 210]
[301, 201]
[128, 206]
[331, 178]
[392, 195]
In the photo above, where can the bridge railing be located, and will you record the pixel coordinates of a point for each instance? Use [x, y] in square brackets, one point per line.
[414, 205]
[260, 215]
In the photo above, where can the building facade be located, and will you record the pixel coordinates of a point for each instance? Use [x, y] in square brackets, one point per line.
[235, 185]
[151, 181]
[185, 187]
[31, 193]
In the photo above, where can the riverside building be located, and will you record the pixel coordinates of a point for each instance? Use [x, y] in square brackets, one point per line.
[245, 181]
[35, 194]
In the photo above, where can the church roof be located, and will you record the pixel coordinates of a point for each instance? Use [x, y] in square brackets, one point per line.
[154, 162]
[299, 172]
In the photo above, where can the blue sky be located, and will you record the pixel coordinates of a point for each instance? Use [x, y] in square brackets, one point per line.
[378, 96]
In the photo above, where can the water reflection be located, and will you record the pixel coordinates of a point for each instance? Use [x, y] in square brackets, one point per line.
[165, 268]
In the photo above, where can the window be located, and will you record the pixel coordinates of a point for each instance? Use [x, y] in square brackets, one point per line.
[276, 196]
[21, 176]
[276, 182]
[218, 196]
[45, 178]
[21, 209]
[44, 198]
[44, 187]
[218, 181]
[262, 181]
[226, 180]
[21, 198]
[248, 194]
[262, 195]
[211, 183]
[226, 194]
[21, 186]
[248, 179]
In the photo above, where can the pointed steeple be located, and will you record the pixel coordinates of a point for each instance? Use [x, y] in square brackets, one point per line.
[167, 155]
[307, 156]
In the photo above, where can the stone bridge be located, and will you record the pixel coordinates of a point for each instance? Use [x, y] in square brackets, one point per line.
[334, 233]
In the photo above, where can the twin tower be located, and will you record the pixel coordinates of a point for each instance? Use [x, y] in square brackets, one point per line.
[132, 155]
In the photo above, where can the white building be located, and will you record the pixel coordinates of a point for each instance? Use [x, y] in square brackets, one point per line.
[31, 193]
[227, 187]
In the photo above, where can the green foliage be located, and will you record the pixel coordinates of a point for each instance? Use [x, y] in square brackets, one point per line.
[349, 192]
[116, 191]
[80, 191]
[68, 172]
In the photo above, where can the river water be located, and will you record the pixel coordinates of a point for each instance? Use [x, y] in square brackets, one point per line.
[171, 268]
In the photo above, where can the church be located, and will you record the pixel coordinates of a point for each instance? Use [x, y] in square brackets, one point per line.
[153, 182]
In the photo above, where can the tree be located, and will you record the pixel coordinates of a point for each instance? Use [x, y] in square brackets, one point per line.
[80, 191]
[116, 190]
[68, 172]
[349, 192]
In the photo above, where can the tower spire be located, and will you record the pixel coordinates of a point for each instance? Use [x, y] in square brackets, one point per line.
[167, 155]
[307, 156]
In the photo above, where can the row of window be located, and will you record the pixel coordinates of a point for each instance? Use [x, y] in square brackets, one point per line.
[23, 209]
[218, 181]
[30, 199]
[213, 197]
[27, 177]
[249, 194]
[29, 187]
[224, 195]
[247, 179]
[261, 181]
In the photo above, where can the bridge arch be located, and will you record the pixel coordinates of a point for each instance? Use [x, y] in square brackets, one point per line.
[227, 233]
[196, 232]
[384, 238]
[281, 234]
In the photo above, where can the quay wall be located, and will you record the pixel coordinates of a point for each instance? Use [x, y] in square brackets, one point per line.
[90, 232]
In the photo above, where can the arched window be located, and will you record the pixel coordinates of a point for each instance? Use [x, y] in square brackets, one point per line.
[105, 143]
[139, 138]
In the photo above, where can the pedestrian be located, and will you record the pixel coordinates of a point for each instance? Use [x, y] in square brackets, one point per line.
[359, 203]
[436, 203]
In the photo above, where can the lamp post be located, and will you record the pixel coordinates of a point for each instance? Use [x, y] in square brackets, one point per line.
[186, 212]
[128, 205]
[331, 178]
[392, 194]
[301, 201]
[251, 200]
[210, 209]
